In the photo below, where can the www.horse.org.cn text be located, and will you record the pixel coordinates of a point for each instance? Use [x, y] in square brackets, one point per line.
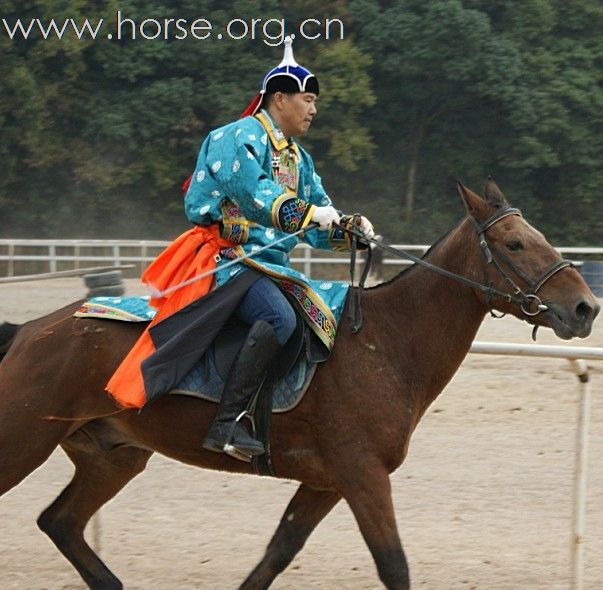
[271, 31]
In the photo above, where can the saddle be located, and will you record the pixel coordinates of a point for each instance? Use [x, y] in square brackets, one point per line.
[282, 390]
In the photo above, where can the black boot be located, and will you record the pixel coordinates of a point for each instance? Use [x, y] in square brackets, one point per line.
[244, 379]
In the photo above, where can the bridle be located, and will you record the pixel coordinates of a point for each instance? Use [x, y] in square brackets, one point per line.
[526, 301]
[529, 302]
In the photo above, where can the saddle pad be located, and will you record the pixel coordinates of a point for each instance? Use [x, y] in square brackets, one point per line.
[125, 309]
[205, 382]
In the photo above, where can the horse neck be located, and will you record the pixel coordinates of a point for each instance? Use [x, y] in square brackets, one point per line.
[431, 320]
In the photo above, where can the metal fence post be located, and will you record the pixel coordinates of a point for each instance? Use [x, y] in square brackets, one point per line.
[116, 255]
[144, 252]
[76, 255]
[11, 259]
[307, 261]
[580, 368]
[52, 258]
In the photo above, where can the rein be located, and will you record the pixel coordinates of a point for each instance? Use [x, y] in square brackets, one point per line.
[526, 301]
[355, 310]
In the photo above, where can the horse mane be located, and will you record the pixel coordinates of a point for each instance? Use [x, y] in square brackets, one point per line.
[425, 256]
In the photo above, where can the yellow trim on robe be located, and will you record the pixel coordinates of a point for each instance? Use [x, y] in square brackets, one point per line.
[309, 215]
[267, 125]
[276, 205]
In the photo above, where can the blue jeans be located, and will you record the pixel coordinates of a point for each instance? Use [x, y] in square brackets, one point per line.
[265, 301]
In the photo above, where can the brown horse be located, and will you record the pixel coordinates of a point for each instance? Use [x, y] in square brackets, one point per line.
[351, 430]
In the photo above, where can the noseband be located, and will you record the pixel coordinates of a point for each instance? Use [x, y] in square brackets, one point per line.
[526, 301]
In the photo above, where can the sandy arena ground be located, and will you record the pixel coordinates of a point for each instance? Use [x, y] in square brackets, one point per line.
[484, 500]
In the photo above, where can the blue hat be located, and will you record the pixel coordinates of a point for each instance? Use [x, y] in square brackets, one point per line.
[289, 76]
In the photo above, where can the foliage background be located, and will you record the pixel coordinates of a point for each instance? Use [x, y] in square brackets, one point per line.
[97, 136]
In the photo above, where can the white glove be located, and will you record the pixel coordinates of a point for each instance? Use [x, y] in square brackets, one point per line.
[325, 216]
[366, 227]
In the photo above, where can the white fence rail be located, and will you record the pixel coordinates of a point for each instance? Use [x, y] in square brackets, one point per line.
[56, 255]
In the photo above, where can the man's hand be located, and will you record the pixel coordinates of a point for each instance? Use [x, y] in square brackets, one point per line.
[325, 216]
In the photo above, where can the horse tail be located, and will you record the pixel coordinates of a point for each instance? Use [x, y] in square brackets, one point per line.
[7, 334]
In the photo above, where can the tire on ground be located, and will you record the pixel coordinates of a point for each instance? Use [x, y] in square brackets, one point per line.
[103, 279]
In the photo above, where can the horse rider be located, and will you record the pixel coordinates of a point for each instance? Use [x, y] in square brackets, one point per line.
[252, 186]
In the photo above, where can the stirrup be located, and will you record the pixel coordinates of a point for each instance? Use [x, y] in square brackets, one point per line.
[230, 449]
[234, 452]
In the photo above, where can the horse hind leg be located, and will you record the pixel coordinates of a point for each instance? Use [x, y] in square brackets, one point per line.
[306, 509]
[26, 442]
[99, 476]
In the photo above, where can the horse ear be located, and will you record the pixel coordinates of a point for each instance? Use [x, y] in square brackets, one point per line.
[475, 205]
[494, 196]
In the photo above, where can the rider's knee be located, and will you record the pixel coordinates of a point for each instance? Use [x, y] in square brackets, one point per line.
[284, 323]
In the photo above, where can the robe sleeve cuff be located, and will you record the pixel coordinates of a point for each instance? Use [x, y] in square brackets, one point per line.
[291, 214]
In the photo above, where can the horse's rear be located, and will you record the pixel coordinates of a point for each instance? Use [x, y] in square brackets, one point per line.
[54, 370]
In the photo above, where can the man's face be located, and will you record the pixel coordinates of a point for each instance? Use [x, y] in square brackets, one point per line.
[297, 112]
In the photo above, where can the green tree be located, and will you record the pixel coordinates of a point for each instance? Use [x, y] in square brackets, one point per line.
[440, 71]
[475, 87]
[557, 147]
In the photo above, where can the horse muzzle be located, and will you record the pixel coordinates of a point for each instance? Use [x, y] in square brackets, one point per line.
[572, 322]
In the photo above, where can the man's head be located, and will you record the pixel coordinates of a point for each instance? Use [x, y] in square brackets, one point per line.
[289, 92]
[293, 112]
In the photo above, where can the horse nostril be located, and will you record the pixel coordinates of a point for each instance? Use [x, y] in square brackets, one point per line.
[584, 311]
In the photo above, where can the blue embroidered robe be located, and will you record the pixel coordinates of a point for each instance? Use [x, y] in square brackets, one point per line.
[260, 187]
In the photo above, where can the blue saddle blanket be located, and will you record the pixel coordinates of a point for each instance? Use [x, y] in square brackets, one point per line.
[124, 309]
[204, 380]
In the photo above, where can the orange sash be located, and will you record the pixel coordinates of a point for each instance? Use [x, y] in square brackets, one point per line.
[189, 255]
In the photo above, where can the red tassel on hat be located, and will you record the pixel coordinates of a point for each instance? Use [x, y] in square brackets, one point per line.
[252, 107]
[186, 184]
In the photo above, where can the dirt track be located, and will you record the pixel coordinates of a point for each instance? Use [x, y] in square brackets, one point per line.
[483, 500]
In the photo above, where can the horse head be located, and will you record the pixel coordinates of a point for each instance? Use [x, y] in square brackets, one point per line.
[525, 275]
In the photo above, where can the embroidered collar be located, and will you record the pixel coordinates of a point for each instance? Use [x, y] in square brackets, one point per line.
[277, 139]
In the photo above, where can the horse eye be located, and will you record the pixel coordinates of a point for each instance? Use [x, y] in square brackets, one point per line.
[514, 246]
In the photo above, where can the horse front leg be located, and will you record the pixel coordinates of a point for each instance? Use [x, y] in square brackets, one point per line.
[370, 499]
[306, 509]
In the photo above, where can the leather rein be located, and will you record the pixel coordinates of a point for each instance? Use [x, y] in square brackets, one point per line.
[529, 302]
